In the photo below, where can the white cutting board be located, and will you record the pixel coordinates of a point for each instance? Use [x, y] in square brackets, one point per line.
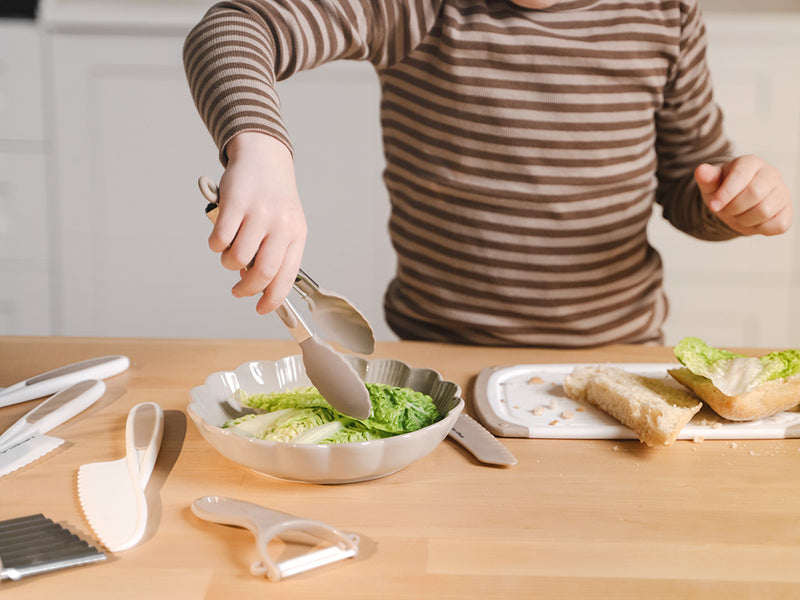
[529, 401]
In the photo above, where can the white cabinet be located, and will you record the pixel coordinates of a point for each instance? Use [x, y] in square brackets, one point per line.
[25, 293]
[133, 236]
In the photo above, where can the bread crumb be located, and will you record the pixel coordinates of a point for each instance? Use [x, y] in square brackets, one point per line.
[717, 425]
[580, 409]
[554, 404]
[538, 411]
[516, 407]
[554, 422]
[535, 380]
[733, 445]
[567, 414]
[615, 448]
[699, 439]
[752, 453]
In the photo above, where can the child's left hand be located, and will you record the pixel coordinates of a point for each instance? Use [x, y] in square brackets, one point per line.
[747, 194]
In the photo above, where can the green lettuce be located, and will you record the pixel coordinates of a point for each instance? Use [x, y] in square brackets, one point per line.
[303, 416]
[734, 373]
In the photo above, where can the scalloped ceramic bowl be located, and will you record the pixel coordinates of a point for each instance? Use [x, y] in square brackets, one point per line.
[320, 463]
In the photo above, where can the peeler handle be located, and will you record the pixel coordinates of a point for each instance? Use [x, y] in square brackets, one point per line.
[266, 524]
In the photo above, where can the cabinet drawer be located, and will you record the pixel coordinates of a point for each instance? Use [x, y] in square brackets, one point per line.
[20, 81]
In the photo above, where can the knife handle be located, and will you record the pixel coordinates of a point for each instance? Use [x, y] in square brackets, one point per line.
[144, 430]
[63, 377]
[56, 410]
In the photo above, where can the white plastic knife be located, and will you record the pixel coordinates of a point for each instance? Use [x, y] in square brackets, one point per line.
[25, 441]
[63, 377]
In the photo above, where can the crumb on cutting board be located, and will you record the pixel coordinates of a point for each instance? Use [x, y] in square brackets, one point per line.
[535, 380]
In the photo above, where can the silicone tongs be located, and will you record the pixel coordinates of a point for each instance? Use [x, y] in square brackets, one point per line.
[267, 524]
[331, 374]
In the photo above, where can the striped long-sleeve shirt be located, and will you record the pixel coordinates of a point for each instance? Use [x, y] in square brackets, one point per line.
[524, 149]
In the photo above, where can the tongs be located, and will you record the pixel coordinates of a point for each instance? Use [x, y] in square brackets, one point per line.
[330, 373]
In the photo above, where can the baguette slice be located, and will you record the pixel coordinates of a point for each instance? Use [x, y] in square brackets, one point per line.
[653, 409]
[767, 399]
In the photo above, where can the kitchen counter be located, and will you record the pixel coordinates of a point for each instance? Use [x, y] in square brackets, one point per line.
[576, 519]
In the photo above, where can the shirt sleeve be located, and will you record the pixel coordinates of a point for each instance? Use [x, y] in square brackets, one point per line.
[238, 51]
[690, 132]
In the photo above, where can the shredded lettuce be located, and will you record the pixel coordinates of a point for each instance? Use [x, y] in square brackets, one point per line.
[303, 416]
[734, 373]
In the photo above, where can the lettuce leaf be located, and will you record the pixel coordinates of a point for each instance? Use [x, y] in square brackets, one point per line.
[302, 415]
[734, 373]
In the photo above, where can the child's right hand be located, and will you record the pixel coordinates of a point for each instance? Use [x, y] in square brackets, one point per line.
[260, 216]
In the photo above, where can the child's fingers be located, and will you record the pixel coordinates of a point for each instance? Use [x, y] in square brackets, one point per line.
[266, 265]
[225, 229]
[708, 178]
[736, 178]
[771, 215]
[281, 284]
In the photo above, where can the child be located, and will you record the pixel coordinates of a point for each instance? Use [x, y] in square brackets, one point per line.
[525, 144]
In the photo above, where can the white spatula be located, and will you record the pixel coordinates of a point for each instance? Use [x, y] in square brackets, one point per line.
[112, 494]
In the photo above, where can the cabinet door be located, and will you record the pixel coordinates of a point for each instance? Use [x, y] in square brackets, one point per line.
[24, 243]
[20, 81]
[133, 235]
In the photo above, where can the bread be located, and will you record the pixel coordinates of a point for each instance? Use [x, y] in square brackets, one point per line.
[765, 400]
[653, 409]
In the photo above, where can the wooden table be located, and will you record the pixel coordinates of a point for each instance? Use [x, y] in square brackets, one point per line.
[573, 519]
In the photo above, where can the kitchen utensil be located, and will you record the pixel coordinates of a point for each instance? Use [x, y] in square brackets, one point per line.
[58, 379]
[25, 441]
[320, 463]
[330, 373]
[528, 401]
[335, 379]
[338, 318]
[112, 494]
[342, 321]
[34, 544]
[267, 524]
[482, 444]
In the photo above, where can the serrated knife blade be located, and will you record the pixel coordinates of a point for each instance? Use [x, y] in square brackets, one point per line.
[482, 444]
[24, 441]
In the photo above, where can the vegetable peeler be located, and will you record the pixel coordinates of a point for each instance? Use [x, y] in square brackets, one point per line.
[267, 524]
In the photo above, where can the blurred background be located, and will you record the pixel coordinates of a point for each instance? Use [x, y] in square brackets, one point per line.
[102, 231]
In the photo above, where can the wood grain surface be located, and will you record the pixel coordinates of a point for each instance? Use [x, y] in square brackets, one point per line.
[572, 520]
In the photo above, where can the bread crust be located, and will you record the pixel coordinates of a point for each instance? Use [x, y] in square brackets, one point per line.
[653, 409]
[767, 399]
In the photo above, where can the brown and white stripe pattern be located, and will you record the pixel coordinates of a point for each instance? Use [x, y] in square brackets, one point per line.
[524, 148]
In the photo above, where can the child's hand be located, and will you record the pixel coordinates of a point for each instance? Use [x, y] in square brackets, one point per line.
[260, 216]
[748, 194]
